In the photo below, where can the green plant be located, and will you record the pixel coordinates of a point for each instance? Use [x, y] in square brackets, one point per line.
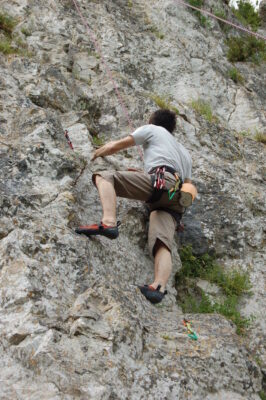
[166, 337]
[246, 14]
[221, 14]
[163, 102]
[235, 75]
[260, 137]
[204, 109]
[246, 48]
[233, 285]
[262, 395]
[153, 28]
[26, 31]
[7, 23]
[6, 46]
[97, 141]
[202, 19]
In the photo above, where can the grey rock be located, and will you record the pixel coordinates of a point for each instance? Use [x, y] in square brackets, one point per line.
[73, 324]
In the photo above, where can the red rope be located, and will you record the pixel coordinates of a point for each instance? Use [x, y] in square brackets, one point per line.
[107, 69]
[221, 19]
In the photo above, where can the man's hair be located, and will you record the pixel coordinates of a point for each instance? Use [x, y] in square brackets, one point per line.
[164, 118]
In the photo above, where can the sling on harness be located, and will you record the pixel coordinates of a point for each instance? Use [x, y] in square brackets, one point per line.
[158, 183]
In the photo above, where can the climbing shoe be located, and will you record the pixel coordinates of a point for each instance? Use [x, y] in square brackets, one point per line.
[90, 230]
[151, 294]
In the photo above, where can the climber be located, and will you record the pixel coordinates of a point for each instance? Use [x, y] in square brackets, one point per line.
[165, 185]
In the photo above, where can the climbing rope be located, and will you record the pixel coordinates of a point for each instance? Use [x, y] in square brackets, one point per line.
[108, 71]
[210, 14]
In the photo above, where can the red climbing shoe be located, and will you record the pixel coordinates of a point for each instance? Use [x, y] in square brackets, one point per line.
[151, 294]
[90, 230]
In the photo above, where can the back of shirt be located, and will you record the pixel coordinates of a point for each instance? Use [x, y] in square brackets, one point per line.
[161, 148]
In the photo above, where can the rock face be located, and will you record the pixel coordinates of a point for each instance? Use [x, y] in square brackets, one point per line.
[73, 324]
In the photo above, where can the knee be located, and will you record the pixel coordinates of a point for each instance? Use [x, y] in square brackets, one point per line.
[98, 179]
[159, 245]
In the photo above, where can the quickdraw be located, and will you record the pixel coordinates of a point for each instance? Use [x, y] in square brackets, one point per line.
[192, 334]
[159, 181]
[68, 140]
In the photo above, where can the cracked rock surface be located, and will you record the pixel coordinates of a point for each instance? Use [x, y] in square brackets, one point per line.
[73, 324]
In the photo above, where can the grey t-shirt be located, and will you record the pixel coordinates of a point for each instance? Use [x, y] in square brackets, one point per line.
[161, 148]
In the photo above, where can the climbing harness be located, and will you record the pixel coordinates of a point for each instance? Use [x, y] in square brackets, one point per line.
[191, 334]
[158, 183]
[68, 140]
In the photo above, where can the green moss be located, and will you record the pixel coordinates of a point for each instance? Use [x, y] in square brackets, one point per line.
[235, 75]
[204, 109]
[233, 285]
[246, 14]
[7, 23]
[163, 102]
[246, 48]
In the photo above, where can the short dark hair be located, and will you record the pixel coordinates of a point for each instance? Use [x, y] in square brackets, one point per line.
[165, 118]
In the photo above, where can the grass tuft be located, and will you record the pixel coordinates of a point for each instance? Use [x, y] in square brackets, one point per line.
[7, 23]
[235, 75]
[233, 285]
[204, 109]
[164, 103]
[152, 28]
[260, 137]
[26, 31]
[6, 46]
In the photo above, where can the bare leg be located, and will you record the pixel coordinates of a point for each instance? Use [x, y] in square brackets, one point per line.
[108, 200]
[162, 265]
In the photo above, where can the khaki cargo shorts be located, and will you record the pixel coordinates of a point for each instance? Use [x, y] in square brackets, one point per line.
[137, 185]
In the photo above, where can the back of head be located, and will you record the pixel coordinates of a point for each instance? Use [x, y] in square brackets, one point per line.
[165, 118]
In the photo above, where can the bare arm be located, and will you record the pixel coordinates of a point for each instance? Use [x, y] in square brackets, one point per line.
[114, 147]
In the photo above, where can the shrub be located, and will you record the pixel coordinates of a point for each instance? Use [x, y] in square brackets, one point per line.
[247, 14]
[235, 75]
[233, 285]
[204, 109]
[246, 48]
